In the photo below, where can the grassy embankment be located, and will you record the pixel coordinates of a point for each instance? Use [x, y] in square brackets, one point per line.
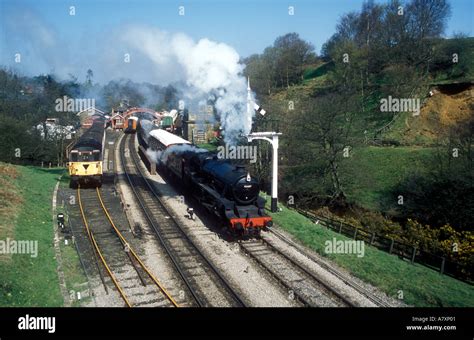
[371, 173]
[26, 214]
[421, 286]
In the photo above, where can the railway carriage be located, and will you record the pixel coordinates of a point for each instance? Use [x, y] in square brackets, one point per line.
[161, 140]
[85, 157]
[131, 124]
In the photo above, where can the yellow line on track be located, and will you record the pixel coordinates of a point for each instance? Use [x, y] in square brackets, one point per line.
[94, 243]
[155, 280]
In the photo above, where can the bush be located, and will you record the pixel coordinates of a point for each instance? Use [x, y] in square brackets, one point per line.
[446, 241]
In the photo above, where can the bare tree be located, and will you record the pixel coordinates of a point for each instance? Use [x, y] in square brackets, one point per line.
[319, 138]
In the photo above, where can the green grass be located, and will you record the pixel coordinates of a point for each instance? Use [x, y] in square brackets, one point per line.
[318, 71]
[208, 146]
[10, 200]
[371, 173]
[421, 286]
[27, 281]
[73, 274]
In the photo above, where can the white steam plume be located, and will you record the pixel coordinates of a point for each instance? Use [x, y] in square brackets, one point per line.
[146, 126]
[209, 70]
[162, 156]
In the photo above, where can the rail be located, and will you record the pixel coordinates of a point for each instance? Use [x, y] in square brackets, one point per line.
[375, 299]
[96, 247]
[310, 277]
[169, 217]
[134, 254]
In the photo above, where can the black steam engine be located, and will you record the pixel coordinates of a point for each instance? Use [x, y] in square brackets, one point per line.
[223, 188]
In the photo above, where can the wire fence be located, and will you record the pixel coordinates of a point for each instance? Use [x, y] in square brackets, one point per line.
[402, 250]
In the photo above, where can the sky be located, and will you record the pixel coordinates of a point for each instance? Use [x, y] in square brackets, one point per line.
[50, 39]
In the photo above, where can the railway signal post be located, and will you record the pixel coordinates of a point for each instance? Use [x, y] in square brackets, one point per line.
[272, 138]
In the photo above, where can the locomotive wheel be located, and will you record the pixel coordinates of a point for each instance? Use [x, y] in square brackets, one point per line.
[240, 233]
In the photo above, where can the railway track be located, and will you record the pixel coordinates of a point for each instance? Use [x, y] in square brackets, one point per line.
[301, 284]
[205, 284]
[348, 281]
[136, 284]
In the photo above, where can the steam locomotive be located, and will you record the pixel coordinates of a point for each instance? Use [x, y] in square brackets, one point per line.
[223, 188]
[85, 157]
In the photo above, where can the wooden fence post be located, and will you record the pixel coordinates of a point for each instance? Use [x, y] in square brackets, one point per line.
[413, 254]
[443, 261]
[391, 247]
[372, 239]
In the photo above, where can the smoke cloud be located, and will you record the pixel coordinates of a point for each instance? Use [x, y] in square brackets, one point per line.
[162, 156]
[146, 126]
[207, 70]
[204, 71]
